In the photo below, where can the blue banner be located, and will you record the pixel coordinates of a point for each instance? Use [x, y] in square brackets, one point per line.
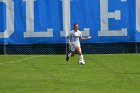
[49, 21]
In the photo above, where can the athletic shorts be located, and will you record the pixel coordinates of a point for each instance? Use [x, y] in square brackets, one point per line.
[74, 46]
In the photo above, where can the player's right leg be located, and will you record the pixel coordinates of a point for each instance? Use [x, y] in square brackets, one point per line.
[72, 53]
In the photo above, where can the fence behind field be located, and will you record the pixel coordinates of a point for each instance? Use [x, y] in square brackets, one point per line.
[95, 48]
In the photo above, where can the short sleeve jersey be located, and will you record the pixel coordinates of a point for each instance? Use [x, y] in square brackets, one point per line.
[75, 36]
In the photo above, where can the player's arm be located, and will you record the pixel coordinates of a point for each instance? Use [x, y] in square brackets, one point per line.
[83, 38]
[68, 38]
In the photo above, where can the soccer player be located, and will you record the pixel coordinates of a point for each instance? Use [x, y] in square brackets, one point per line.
[74, 43]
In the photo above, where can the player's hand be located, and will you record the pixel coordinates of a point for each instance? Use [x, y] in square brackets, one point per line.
[89, 37]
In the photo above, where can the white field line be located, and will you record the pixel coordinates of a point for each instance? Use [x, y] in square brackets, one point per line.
[15, 61]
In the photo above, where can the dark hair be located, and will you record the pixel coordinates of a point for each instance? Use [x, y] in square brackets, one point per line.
[75, 24]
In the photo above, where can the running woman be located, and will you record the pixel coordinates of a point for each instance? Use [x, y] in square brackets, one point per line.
[74, 43]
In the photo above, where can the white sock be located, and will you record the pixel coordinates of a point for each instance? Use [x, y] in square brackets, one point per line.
[69, 55]
[81, 57]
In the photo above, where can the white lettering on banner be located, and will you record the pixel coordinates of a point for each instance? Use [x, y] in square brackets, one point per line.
[9, 19]
[104, 20]
[138, 15]
[30, 22]
[67, 18]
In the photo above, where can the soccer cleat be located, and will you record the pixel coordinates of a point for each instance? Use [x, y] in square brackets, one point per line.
[82, 62]
[67, 58]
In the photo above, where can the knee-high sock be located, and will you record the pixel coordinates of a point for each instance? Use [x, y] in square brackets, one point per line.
[69, 55]
[81, 57]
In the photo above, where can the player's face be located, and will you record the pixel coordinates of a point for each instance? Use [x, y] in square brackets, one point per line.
[76, 27]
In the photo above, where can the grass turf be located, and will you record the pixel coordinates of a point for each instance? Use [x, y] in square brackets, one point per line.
[116, 73]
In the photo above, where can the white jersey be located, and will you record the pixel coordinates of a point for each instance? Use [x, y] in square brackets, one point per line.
[75, 36]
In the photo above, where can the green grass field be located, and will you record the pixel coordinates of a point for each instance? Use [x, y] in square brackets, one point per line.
[116, 73]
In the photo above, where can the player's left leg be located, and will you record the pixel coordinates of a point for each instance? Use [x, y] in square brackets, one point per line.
[81, 58]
